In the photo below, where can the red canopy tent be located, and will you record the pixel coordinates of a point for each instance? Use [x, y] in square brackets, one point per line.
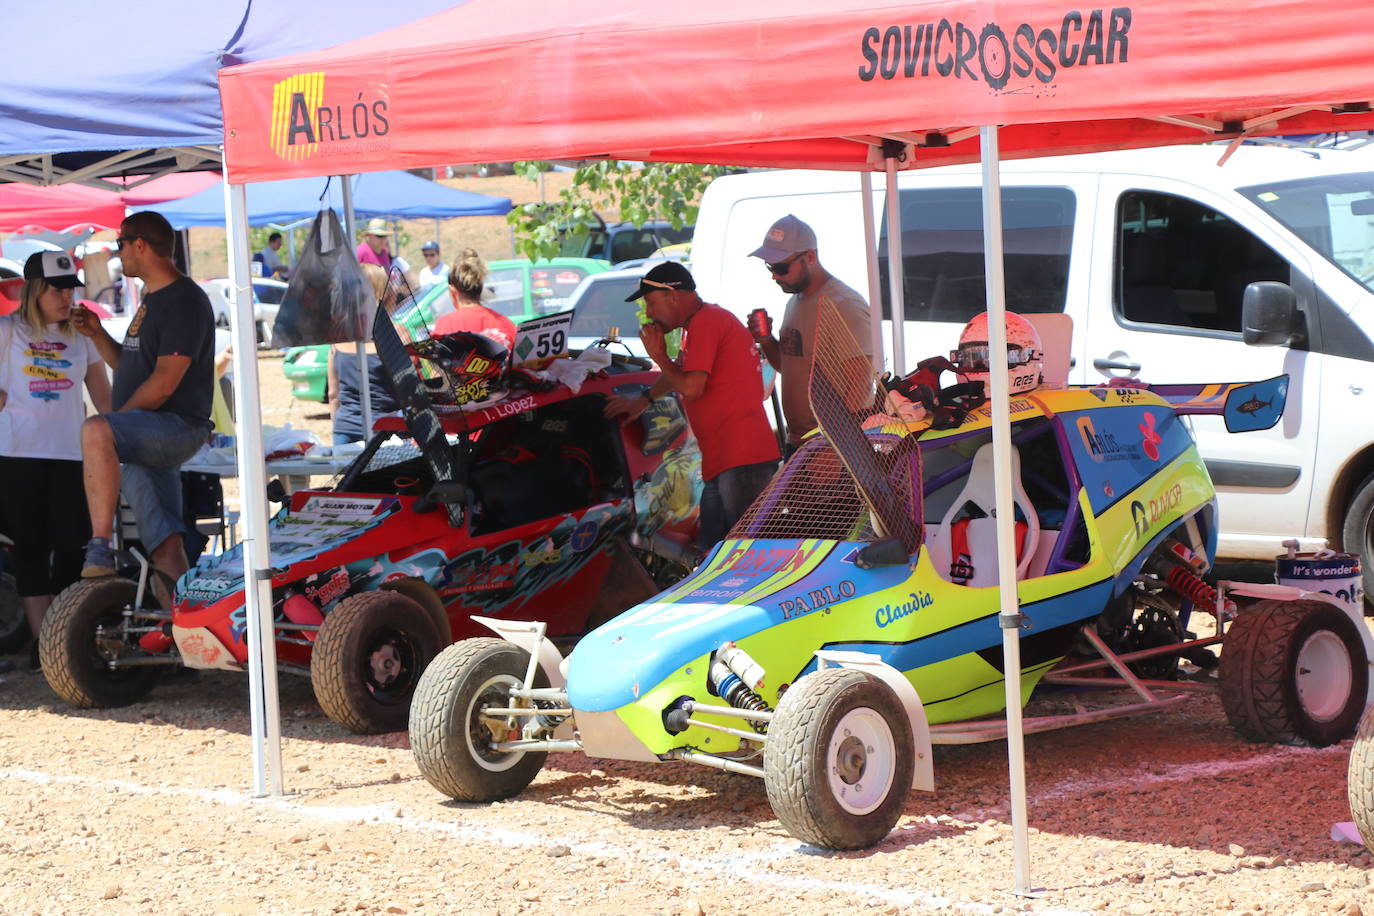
[815, 83]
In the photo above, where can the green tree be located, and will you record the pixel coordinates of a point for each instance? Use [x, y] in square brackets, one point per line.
[658, 190]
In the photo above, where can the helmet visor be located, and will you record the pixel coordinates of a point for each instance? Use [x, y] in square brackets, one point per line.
[977, 357]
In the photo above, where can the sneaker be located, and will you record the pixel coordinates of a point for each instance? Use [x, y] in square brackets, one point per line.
[100, 560]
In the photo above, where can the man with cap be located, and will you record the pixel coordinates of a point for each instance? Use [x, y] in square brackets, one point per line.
[435, 270]
[163, 383]
[789, 252]
[375, 248]
[717, 376]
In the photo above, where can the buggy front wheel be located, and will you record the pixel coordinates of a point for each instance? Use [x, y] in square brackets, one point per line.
[839, 759]
[451, 732]
[367, 659]
[83, 631]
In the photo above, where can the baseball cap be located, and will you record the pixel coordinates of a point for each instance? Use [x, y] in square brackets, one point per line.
[430, 246]
[57, 267]
[785, 238]
[376, 226]
[668, 275]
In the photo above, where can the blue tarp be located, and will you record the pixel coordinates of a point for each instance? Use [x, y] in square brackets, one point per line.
[393, 195]
[149, 80]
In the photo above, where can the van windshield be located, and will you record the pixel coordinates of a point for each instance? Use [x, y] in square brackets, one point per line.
[1333, 213]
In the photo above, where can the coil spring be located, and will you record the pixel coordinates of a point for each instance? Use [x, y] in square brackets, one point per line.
[1191, 587]
[734, 692]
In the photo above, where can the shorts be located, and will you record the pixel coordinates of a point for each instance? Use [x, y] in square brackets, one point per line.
[153, 445]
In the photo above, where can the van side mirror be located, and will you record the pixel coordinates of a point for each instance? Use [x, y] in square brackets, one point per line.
[1269, 314]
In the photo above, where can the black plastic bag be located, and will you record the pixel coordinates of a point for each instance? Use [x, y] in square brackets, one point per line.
[329, 299]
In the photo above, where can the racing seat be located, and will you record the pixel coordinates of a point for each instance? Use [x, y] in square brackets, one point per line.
[964, 545]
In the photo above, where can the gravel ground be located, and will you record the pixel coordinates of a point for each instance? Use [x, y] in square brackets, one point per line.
[149, 809]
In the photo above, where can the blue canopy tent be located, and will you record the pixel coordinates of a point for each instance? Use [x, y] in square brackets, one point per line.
[150, 105]
[392, 195]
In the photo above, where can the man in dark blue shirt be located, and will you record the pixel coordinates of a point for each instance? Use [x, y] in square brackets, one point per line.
[163, 378]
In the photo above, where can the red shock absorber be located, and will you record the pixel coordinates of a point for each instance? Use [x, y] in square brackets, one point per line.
[1190, 586]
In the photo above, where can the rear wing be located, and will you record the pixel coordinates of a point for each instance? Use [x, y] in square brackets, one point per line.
[1246, 406]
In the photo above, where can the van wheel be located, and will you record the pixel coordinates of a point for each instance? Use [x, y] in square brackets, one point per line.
[1357, 535]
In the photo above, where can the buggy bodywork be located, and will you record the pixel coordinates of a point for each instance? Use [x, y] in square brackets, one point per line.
[531, 505]
[851, 619]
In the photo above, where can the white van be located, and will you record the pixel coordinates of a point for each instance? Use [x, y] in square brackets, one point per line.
[1150, 252]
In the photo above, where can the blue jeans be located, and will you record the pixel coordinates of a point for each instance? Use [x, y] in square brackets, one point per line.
[725, 497]
[152, 446]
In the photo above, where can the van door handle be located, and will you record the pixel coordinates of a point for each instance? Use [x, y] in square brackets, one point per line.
[1102, 365]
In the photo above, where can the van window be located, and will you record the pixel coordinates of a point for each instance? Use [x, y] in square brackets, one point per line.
[942, 251]
[1180, 263]
[1334, 214]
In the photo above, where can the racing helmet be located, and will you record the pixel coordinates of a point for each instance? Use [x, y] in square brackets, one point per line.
[474, 364]
[973, 360]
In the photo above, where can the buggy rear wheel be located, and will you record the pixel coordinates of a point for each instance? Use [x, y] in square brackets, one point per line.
[451, 733]
[367, 659]
[83, 631]
[14, 626]
[1293, 672]
[839, 759]
[1360, 779]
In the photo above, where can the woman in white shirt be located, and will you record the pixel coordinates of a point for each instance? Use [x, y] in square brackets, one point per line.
[44, 363]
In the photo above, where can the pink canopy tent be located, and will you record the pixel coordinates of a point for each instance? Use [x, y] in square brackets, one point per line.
[63, 208]
[880, 84]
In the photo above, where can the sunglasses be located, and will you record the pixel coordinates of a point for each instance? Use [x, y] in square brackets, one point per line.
[121, 240]
[782, 267]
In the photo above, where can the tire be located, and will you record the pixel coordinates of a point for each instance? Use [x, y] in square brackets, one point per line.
[74, 660]
[14, 626]
[368, 656]
[1357, 535]
[448, 734]
[838, 762]
[1360, 779]
[1293, 672]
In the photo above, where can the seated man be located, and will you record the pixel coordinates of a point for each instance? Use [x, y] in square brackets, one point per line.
[163, 382]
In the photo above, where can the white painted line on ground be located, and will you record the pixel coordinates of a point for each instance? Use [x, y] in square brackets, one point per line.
[1144, 779]
[742, 866]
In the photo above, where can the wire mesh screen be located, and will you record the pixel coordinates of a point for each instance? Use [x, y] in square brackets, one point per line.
[813, 496]
[847, 399]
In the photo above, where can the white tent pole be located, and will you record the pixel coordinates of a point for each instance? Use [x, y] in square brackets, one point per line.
[875, 286]
[365, 380]
[262, 648]
[1010, 617]
[895, 268]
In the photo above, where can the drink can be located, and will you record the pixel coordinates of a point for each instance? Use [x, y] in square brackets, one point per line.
[760, 325]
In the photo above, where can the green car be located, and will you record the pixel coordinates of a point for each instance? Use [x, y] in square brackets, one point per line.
[518, 288]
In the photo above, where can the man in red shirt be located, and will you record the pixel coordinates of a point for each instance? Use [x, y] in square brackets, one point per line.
[717, 376]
